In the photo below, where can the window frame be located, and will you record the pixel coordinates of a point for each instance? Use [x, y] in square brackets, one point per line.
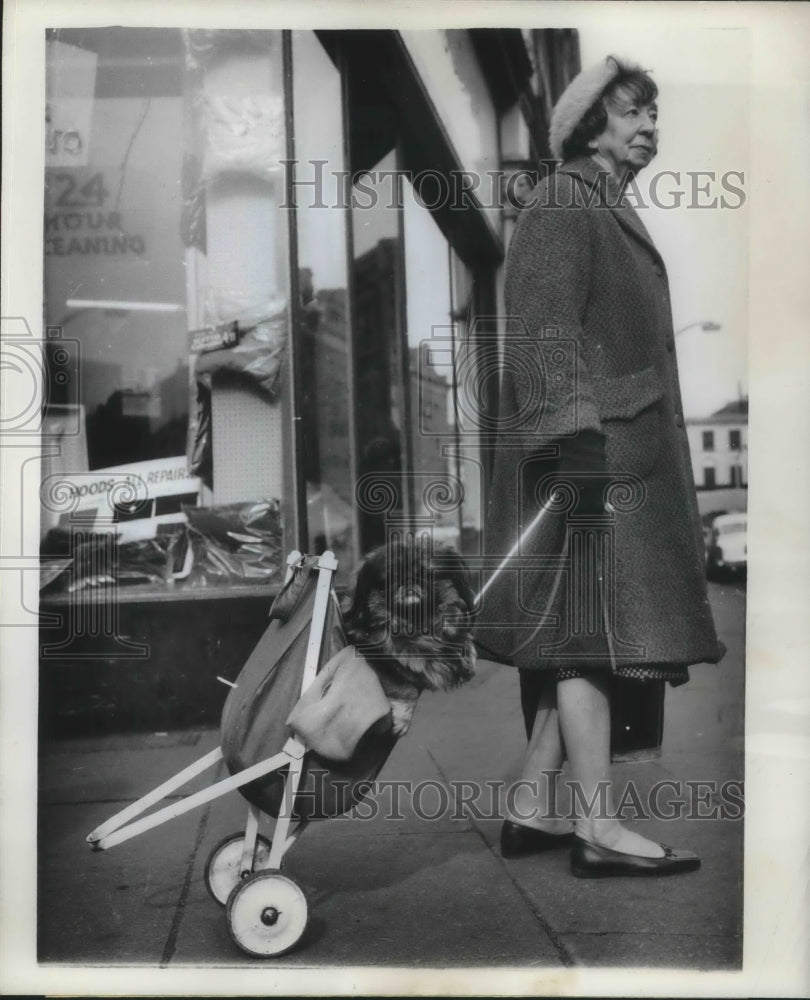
[422, 145]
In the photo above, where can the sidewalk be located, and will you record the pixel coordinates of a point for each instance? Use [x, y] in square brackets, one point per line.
[412, 892]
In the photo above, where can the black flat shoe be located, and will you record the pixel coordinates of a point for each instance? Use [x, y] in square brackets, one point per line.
[518, 840]
[591, 861]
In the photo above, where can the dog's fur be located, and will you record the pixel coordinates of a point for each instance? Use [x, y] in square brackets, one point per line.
[411, 615]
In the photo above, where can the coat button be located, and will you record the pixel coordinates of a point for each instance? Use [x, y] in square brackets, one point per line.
[670, 343]
[659, 270]
[679, 420]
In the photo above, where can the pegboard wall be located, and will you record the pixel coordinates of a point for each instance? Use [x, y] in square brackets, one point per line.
[247, 442]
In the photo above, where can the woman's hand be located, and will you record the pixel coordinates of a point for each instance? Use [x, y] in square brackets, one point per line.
[583, 459]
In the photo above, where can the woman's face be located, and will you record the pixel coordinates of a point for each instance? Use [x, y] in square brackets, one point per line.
[630, 139]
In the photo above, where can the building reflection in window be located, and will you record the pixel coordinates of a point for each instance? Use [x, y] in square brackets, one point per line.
[323, 328]
[112, 235]
[473, 370]
[431, 351]
[380, 397]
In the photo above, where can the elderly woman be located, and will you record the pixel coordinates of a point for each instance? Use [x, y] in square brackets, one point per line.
[611, 581]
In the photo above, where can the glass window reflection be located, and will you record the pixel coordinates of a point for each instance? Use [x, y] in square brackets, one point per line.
[324, 347]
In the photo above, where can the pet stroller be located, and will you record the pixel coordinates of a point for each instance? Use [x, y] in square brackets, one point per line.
[281, 689]
[344, 718]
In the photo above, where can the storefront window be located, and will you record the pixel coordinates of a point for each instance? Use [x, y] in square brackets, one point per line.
[167, 290]
[431, 350]
[241, 395]
[445, 381]
[474, 375]
[379, 356]
[323, 335]
[417, 393]
[114, 256]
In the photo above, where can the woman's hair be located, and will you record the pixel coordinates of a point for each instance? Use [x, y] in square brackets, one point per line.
[594, 121]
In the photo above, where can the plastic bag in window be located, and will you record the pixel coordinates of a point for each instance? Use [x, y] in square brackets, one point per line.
[192, 213]
[224, 305]
[243, 134]
[258, 356]
[97, 561]
[235, 542]
[200, 452]
[153, 560]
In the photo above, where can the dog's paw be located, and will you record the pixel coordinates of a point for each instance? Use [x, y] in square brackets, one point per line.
[401, 715]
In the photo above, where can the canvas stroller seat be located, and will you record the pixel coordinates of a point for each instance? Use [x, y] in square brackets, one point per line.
[266, 912]
[304, 732]
[254, 719]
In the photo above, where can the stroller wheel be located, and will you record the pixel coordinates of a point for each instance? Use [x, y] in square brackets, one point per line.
[223, 864]
[266, 914]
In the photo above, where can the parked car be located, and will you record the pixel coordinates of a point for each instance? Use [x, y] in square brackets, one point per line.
[725, 536]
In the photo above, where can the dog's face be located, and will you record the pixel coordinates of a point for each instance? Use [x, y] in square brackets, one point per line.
[413, 604]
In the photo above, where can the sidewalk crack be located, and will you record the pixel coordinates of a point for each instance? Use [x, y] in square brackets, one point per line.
[174, 931]
[559, 945]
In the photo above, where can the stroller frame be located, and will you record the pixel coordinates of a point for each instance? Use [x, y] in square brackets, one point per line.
[241, 926]
[266, 912]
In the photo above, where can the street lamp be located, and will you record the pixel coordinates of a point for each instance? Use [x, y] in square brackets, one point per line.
[706, 325]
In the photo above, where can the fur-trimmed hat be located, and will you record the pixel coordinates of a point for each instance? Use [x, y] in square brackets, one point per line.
[578, 97]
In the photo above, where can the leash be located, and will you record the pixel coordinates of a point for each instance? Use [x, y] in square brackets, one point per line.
[523, 538]
[538, 518]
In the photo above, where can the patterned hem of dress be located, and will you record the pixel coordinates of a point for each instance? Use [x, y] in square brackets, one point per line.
[674, 673]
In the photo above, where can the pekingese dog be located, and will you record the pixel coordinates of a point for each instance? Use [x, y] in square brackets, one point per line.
[411, 618]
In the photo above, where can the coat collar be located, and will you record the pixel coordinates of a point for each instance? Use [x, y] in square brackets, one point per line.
[610, 194]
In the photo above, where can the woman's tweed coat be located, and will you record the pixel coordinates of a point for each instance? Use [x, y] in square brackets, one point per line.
[590, 345]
